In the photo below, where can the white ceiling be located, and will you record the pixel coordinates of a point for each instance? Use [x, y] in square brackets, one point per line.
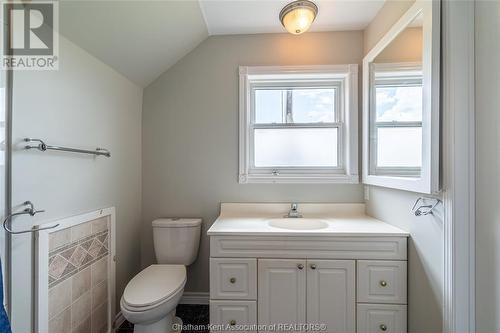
[261, 16]
[143, 38]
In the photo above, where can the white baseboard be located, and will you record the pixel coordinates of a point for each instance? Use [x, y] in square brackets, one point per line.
[119, 319]
[195, 298]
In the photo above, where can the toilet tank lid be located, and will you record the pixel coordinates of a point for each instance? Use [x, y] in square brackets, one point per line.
[176, 223]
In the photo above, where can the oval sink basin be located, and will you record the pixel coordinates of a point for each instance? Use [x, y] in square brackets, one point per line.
[298, 224]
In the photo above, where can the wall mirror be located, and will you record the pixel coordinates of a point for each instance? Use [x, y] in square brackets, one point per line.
[401, 104]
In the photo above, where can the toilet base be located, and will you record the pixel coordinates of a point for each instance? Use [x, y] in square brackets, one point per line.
[164, 325]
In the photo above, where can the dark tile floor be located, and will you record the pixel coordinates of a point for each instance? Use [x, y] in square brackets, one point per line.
[194, 318]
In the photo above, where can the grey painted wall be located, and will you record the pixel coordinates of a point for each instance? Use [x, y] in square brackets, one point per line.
[83, 104]
[190, 132]
[487, 50]
[383, 21]
[425, 255]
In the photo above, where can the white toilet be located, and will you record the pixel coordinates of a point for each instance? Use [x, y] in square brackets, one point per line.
[150, 298]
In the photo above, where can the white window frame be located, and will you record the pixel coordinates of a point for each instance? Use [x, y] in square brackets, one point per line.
[341, 77]
[429, 179]
[397, 74]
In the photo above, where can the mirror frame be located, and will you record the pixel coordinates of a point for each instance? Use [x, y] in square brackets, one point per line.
[429, 180]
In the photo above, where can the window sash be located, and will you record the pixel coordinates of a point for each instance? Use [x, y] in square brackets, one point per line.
[386, 77]
[337, 85]
[339, 111]
[339, 169]
[398, 171]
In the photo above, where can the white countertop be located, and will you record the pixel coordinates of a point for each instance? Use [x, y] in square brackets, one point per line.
[342, 220]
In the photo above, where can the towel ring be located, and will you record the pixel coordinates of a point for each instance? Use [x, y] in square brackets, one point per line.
[27, 211]
[424, 209]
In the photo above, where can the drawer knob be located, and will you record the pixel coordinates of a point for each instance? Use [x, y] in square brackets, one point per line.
[313, 266]
[383, 283]
[232, 322]
[383, 327]
[300, 266]
[232, 280]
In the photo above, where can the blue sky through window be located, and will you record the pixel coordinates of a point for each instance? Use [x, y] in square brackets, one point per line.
[399, 103]
[308, 105]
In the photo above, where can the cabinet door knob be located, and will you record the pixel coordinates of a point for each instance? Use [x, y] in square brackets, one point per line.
[300, 266]
[383, 327]
[313, 266]
[232, 322]
[232, 280]
[383, 283]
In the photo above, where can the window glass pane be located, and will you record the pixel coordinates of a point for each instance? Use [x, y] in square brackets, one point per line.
[399, 147]
[399, 103]
[295, 147]
[313, 105]
[269, 106]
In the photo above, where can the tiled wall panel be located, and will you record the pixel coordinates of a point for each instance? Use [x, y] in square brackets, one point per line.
[78, 278]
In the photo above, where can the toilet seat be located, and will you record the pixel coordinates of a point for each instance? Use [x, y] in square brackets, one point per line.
[153, 286]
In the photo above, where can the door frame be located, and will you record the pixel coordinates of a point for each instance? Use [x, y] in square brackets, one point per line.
[6, 261]
[458, 177]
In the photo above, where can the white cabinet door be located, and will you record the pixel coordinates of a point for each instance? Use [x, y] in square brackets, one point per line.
[281, 292]
[233, 278]
[382, 281]
[331, 296]
[228, 316]
[381, 318]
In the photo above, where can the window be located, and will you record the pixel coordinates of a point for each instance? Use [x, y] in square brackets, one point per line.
[298, 124]
[396, 120]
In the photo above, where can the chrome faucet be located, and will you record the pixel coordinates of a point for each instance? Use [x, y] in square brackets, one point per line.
[293, 213]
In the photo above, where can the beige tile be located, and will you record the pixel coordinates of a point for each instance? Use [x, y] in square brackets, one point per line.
[100, 318]
[57, 266]
[80, 231]
[59, 297]
[99, 294]
[84, 327]
[99, 225]
[61, 323]
[59, 238]
[99, 271]
[80, 310]
[80, 283]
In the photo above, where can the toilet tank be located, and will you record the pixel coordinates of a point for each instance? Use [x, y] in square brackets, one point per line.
[176, 241]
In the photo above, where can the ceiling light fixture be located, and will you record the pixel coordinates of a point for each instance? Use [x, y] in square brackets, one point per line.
[298, 16]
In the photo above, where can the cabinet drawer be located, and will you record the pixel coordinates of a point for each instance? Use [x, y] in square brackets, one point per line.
[382, 282]
[233, 315]
[381, 318]
[233, 278]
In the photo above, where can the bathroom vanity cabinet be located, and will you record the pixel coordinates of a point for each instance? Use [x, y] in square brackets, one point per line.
[352, 282]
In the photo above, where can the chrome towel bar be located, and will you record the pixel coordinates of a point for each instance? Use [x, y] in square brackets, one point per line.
[42, 146]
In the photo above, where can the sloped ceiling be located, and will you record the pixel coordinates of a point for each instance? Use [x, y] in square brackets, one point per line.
[140, 39]
[143, 38]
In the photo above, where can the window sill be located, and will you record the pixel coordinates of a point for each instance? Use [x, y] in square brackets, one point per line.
[298, 179]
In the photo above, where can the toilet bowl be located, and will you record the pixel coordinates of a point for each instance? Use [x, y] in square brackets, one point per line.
[150, 298]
